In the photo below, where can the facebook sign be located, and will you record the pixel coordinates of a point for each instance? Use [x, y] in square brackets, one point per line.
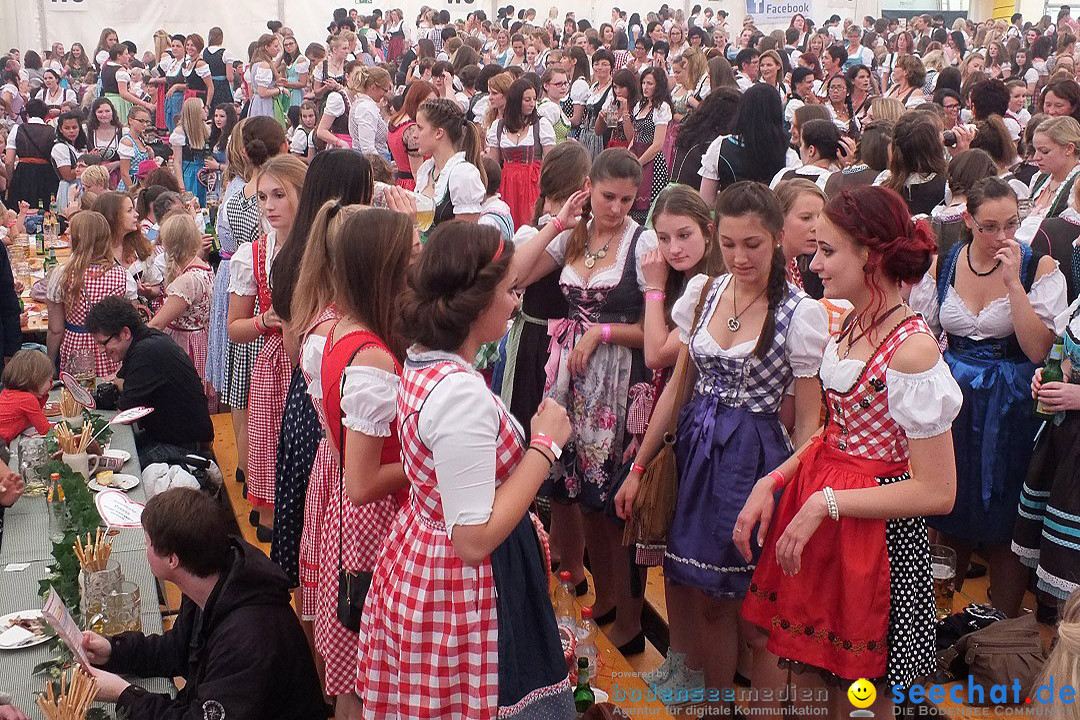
[777, 11]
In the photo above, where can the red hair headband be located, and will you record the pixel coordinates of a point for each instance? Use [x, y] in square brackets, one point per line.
[498, 250]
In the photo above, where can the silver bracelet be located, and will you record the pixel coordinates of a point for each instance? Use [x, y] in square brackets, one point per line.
[830, 502]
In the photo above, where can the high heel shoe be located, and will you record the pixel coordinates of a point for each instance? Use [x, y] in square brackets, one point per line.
[635, 646]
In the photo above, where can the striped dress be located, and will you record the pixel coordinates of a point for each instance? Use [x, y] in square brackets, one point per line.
[244, 221]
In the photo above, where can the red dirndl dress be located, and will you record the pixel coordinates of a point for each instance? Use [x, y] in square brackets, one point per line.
[430, 644]
[351, 535]
[520, 175]
[395, 140]
[862, 605]
[97, 285]
[266, 399]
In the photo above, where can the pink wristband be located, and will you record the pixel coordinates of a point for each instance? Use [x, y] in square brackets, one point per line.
[558, 224]
[656, 295]
[605, 332]
[779, 478]
[638, 468]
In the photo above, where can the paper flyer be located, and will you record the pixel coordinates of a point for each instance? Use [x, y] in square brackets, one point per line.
[57, 615]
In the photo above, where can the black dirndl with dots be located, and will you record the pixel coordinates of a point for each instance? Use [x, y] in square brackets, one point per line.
[297, 444]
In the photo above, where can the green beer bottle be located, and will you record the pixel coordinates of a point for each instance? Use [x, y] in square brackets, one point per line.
[50, 261]
[583, 694]
[1051, 372]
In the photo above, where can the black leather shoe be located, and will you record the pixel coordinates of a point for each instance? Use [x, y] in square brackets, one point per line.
[264, 534]
[253, 518]
[635, 646]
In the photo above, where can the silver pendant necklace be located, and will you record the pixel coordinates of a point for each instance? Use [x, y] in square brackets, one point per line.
[733, 321]
[591, 257]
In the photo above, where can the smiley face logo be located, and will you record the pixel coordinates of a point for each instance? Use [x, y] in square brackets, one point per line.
[862, 693]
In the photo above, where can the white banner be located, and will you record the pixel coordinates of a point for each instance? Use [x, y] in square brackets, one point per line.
[779, 12]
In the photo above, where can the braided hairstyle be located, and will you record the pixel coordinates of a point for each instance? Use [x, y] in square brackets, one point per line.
[612, 164]
[751, 198]
[447, 115]
[453, 283]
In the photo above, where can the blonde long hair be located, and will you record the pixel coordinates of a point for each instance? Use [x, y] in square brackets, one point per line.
[237, 166]
[314, 291]
[1063, 666]
[181, 238]
[91, 251]
[191, 119]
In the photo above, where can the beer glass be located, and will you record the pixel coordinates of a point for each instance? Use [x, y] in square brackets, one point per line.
[943, 567]
[122, 608]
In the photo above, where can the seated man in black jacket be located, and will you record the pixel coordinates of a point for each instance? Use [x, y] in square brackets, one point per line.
[157, 373]
[236, 642]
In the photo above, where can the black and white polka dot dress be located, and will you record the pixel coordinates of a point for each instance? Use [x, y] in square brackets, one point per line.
[297, 444]
[644, 133]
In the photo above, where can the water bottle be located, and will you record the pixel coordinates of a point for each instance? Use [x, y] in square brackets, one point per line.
[566, 608]
[586, 641]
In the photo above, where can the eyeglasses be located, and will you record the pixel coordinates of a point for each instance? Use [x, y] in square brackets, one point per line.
[105, 343]
[564, 83]
[1009, 228]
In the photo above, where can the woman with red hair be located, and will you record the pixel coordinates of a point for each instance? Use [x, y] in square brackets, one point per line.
[843, 587]
[401, 137]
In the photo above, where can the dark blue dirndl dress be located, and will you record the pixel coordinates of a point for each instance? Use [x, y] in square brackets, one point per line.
[994, 434]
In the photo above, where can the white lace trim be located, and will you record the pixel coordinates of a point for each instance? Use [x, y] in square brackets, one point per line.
[1025, 553]
[1056, 582]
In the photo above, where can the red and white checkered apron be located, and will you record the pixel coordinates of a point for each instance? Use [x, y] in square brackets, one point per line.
[429, 639]
[97, 285]
[363, 528]
[324, 474]
[845, 630]
[266, 398]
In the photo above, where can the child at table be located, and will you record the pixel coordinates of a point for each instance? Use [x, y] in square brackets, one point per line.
[27, 379]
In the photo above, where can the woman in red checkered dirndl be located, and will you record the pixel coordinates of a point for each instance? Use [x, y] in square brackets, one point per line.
[843, 587]
[101, 277]
[442, 637]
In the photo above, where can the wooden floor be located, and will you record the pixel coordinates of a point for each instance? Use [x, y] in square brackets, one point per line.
[615, 670]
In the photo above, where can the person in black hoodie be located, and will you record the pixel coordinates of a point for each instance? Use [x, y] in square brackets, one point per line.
[236, 641]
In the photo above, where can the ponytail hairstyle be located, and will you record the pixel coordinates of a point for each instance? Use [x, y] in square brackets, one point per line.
[899, 249]
[237, 165]
[684, 201]
[562, 173]
[612, 164]
[501, 84]
[370, 250]
[453, 282]
[261, 138]
[465, 136]
[751, 198]
[361, 78]
[180, 238]
[91, 251]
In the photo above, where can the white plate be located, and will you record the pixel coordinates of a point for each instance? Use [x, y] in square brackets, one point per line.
[120, 481]
[122, 454]
[29, 642]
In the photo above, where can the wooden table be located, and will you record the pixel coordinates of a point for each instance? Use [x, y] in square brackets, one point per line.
[26, 265]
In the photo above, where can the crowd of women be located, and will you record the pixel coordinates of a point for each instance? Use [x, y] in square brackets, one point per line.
[642, 230]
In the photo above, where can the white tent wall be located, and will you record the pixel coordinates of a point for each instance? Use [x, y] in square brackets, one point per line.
[38, 23]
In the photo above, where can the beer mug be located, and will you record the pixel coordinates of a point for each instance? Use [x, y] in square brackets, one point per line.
[94, 587]
[943, 568]
[122, 609]
[425, 206]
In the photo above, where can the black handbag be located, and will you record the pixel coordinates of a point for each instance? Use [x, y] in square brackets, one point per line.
[353, 585]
